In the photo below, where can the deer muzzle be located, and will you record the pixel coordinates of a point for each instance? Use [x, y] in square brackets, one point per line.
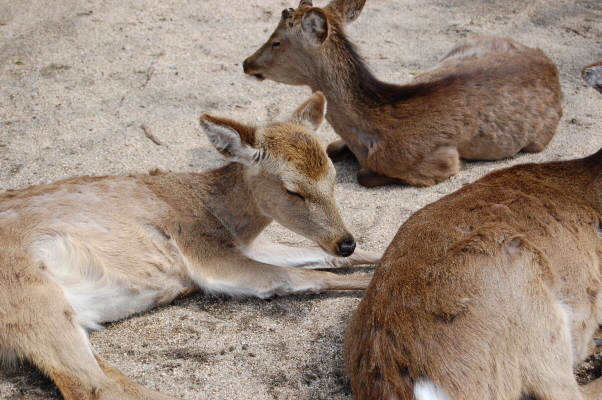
[346, 246]
[246, 66]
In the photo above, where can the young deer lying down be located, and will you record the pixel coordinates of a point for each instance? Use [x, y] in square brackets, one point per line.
[487, 99]
[83, 251]
[492, 292]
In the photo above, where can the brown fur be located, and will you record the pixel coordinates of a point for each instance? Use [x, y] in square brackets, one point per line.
[492, 292]
[299, 149]
[487, 99]
[80, 252]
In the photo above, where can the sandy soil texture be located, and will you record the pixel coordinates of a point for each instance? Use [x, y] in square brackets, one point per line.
[78, 79]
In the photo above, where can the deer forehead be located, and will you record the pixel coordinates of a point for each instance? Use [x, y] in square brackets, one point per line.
[300, 151]
[292, 17]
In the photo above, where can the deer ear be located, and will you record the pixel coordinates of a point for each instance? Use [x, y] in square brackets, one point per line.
[315, 26]
[230, 138]
[311, 111]
[592, 74]
[347, 10]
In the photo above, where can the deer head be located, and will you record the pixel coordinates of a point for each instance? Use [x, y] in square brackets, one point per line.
[289, 55]
[288, 172]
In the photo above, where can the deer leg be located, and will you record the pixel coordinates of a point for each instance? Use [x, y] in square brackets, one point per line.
[39, 324]
[338, 151]
[241, 275]
[128, 385]
[433, 167]
[266, 251]
[371, 179]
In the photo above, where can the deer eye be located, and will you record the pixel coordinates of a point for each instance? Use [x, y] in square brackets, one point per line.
[291, 193]
[275, 44]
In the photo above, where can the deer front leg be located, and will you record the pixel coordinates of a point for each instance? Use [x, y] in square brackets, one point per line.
[40, 326]
[266, 251]
[371, 179]
[338, 151]
[240, 275]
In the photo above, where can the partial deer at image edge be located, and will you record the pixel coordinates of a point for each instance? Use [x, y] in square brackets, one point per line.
[492, 292]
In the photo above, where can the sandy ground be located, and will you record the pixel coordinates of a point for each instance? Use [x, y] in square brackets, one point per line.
[78, 79]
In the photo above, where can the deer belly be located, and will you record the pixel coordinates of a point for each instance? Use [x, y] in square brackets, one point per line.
[103, 285]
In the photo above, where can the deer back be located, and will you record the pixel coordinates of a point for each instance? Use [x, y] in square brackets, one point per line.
[491, 292]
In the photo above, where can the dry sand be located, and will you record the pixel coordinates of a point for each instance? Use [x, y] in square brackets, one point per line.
[78, 79]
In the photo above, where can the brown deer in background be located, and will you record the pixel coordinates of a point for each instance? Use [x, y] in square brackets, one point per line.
[487, 99]
[492, 292]
[80, 252]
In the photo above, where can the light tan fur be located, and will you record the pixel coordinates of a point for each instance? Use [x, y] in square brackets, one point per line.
[80, 252]
[487, 99]
[492, 292]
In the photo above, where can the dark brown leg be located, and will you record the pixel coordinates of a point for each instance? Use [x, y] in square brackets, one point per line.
[371, 179]
[338, 151]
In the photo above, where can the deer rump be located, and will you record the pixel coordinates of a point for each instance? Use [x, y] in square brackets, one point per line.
[489, 293]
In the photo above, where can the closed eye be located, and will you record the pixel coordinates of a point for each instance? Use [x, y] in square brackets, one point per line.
[290, 192]
[275, 44]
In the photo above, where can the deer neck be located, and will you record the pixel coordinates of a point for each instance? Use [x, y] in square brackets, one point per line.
[352, 91]
[230, 199]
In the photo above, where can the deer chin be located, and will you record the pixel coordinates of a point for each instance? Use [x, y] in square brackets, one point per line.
[330, 248]
[259, 77]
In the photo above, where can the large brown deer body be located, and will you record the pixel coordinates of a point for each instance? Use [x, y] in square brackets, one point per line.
[80, 252]
[487, 99]
[492, 292]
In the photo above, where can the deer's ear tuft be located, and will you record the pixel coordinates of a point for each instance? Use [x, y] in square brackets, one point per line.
[227, 137]
[312, 111]
[592, 74]
[315, 26]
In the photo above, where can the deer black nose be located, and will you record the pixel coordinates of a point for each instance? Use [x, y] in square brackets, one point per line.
[244, 65]
[346, 246]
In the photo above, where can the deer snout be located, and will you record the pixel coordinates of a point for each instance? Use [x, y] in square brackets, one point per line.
[248, 69]
[346, 246]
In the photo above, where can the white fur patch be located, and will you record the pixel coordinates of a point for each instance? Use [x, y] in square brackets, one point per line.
[96, 294]
[567, 318]
[80, 273]
[226, 139]
[425, 389]
[265, 251]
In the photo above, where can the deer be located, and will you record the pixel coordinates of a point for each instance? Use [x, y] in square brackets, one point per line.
[487, 99]
[80, 252]
[491, 292]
